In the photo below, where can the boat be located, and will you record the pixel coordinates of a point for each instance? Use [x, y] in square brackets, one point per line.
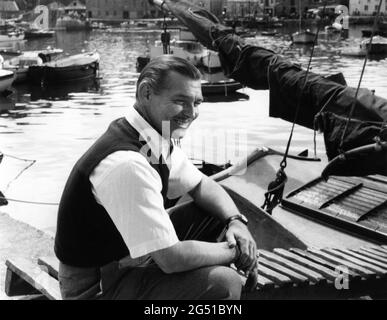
[302, 36]
[6, 79]
[20, 65]
[222, 87]
[340, 204]
[21, 62]
[382, 25]
[368, 33]
[39, 28]
[12, 36]
[48, 52]
[70, 23]
[75, 67]
[378, 46]
[269, 33]
[38, 33]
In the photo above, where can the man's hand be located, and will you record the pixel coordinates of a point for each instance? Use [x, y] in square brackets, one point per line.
[252, 279]
[239, 235]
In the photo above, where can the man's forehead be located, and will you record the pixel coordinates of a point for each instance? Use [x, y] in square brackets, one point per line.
[181, 85]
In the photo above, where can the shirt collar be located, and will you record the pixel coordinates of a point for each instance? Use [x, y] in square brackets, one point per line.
[158, 144]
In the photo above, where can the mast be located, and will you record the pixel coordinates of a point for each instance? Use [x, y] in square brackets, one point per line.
[299, 13]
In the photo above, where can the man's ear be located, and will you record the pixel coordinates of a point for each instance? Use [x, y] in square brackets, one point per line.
[144, 92]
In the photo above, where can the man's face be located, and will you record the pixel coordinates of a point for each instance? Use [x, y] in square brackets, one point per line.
[178, 104]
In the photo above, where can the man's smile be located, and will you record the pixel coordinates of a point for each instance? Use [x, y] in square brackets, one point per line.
[183, 122]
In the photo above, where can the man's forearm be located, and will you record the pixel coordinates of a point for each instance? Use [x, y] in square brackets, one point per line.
[192, 254]
[210, 196]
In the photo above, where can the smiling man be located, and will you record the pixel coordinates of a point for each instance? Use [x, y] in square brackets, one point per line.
[115, 239]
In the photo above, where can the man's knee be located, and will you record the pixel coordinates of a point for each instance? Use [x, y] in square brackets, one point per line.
[223, 283]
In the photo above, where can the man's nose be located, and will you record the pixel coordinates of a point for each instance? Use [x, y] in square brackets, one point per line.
[193, 111]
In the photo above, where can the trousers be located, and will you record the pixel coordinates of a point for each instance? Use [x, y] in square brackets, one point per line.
[149, 282]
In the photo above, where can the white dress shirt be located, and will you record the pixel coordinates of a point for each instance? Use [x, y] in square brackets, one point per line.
[129, 189]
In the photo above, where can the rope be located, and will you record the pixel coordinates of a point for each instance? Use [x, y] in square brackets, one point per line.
[361, 77]
[283, 163]
[32, 162]
[29, 202]
[274, 194]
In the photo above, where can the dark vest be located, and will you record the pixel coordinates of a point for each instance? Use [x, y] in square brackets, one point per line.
[86, 236]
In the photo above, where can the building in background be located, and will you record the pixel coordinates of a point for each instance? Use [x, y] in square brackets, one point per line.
[9, 9]
[244, 8]
[214, 6]
[118, 10]
[366, 7]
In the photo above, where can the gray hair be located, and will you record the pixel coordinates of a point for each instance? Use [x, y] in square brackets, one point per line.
[157, 70]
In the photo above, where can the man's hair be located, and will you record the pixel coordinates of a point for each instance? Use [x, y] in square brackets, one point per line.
[157, 70]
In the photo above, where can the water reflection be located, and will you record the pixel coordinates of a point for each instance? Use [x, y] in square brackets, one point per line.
[59, 92]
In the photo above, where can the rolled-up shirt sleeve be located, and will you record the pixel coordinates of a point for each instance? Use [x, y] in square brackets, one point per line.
[130, 191]
[184, 176]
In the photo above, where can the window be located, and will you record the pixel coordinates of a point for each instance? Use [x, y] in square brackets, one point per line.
[125, 15]
[114, 13]
[365, 8]
[106, 13]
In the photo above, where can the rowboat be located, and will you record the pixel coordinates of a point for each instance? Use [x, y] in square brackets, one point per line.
[20, 64]
[75, 67]
[303, 37]
[38, 33]
[378, 48]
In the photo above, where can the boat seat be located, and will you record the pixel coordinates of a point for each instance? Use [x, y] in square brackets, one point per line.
[31, 279]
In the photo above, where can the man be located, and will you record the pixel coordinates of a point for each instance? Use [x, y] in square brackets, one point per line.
[114, 238]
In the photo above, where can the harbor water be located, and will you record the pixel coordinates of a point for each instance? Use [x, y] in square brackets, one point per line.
[54, 127]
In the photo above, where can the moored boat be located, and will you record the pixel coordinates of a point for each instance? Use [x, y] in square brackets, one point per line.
[12, 36]
[303, 37]
[269, 33]
[75, 67]
[38, 33]
[378, 46]
[21, 62]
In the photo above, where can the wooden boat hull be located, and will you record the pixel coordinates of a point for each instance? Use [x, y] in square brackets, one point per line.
[221, 88]
[53, 72]
[38, 34]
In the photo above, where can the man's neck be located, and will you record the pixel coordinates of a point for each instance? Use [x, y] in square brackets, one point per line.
[143, 113]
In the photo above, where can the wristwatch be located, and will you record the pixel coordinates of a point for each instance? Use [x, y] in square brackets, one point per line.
[239, 217]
